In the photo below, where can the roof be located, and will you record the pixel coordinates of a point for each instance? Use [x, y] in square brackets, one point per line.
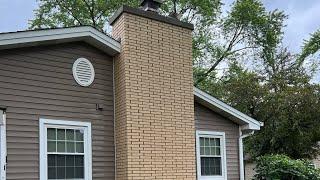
[60, 35]
[246, 122]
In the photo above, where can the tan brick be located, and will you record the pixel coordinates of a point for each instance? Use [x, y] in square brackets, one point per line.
[154, 100]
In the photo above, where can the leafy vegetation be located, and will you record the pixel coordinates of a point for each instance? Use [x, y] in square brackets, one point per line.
[281, 167]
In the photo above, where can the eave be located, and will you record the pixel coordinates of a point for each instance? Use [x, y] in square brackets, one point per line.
[60, 35]
[245, 121]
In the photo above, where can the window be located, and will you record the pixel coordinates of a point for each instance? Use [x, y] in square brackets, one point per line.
[211, 159]
[65, 150]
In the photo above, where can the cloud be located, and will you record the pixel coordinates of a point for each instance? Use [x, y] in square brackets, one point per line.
[303, 19]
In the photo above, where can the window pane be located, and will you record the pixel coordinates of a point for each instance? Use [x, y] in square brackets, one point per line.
[211, 166]
[79, 147]
[218, 151]
[52, 173]
[61, 161]
[213, 141]
[201, 141]
[71, 147]
[79, 161]
[70, 134]
[206, 142]
[70, 161]
[79, 172]
[207, 150]
[79, 135]
[61, 134]
[61, 173]
[51, 133]
[61, 146]
[213, 151]
[70, 172]
[51, 160]
[201, 150]
[217, 142]
[51, 146]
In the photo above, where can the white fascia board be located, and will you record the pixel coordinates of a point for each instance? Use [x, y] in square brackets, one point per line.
[249, 122]
[54, 36]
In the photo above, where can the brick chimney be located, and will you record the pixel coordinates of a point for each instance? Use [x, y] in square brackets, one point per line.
[154, 108]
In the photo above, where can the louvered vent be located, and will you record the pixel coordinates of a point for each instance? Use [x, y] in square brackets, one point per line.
[83, 72]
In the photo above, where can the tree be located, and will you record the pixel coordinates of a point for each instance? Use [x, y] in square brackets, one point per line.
[66, 13]
[248, 28]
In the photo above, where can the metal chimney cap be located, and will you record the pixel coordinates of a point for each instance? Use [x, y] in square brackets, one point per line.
[151, 5]
[157, 1]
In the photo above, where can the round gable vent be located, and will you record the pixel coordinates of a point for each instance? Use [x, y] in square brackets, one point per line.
[83, 72]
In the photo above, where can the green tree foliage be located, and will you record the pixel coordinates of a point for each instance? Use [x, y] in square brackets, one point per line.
[310, 47]
[248, 27]
[281, 167]
[66, 13]
[284, 100]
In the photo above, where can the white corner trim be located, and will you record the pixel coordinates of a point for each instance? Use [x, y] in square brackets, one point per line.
[251, 123]
[3, 145]
[43, 123]
[23, 38]
[213, 134]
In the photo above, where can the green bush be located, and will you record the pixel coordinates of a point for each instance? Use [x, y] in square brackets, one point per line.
[281, 167]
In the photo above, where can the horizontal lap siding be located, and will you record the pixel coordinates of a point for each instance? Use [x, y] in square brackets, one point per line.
[207, 120]
[37, 82]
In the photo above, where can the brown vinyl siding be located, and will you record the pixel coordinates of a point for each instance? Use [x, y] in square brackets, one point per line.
[207, 120]
[37, 82]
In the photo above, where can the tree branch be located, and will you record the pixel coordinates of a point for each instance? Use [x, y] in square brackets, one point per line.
[224, 55]
[69, 11]
[240, 49]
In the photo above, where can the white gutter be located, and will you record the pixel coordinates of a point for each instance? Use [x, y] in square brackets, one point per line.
[241, 155]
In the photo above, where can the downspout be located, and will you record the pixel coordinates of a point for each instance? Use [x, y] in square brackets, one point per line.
[241, 155]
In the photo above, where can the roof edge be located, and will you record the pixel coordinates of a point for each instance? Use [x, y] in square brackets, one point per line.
[60, 35]
[249, 121]
[150, 15]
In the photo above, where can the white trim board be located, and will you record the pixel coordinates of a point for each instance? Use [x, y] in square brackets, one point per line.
[3, 146]
[220, 107]
[61, 35]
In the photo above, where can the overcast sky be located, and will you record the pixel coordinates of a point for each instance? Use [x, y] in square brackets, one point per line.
[304, 17]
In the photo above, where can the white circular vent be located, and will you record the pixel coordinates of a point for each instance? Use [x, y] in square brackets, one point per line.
[83, 71]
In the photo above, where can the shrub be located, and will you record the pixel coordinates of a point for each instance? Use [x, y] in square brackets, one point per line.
[281, 167]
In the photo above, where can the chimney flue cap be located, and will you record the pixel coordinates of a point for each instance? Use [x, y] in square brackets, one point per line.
[151, 5]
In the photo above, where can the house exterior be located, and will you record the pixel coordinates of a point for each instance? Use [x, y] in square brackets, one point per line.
[79, 104]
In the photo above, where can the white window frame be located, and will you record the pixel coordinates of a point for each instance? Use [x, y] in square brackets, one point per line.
[45, 123]
[212, 134]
